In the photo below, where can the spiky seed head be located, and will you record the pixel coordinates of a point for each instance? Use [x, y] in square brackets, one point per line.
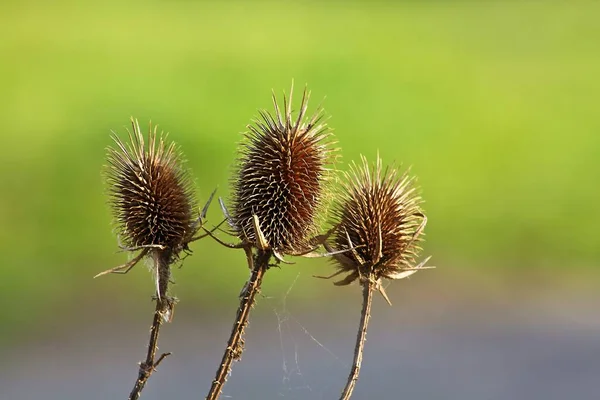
[379, 215]
[151, 195]
[281, 177]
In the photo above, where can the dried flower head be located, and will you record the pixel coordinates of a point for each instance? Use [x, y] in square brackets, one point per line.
[152, 199]
[380, 220]
[151, 195]
[281, 176]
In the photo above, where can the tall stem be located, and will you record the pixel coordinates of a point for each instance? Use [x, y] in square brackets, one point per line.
[361, 338]
[235, 345]
[163, 309]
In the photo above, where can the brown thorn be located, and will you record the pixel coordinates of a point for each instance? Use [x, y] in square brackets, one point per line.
[280, 258]
[313, 254]
[406, 272]
[162, 357]
[346, 261]
[144, 246]
[207, 234]
[125, 268]
[228, 245]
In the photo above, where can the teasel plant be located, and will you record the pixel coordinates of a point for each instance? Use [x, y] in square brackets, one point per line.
[379, 220]
[279, 188]
[152, 198]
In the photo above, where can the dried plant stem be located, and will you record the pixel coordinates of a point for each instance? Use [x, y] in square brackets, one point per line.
[361, 338]
[235, 344]
[163, 308]
[149, 365]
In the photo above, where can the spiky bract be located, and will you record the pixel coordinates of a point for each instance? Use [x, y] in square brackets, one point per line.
[151, 195]
[379, 215]
[281, 177]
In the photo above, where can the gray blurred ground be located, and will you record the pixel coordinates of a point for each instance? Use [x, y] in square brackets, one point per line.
[429, 345]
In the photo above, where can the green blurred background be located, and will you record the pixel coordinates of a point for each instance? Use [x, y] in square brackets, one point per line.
[493, 104]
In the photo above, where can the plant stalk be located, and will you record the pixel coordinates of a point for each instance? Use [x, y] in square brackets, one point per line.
[361, 338]
[235, 345]
[162, 312]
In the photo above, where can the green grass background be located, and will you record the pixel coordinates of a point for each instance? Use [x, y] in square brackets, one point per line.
[493, 104]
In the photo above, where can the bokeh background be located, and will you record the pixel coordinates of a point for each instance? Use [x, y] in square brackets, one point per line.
[494, 105]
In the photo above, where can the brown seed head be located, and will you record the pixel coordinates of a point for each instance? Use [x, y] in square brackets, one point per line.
[281, 177]
[151, 195]
[380, 216]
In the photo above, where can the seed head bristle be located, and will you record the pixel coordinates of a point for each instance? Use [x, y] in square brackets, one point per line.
[151, 195]
[281, 177]
[379, 215]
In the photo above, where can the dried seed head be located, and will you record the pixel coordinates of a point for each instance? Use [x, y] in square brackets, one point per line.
[151, 195]
[379, 215]
[281, 177]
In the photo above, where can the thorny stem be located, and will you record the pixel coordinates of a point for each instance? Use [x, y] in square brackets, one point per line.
[162, 312]
[235, 345]
[361, 338]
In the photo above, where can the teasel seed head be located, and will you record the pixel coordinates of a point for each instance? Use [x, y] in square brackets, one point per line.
[380, 224]
[151, 194]
[282, 176]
